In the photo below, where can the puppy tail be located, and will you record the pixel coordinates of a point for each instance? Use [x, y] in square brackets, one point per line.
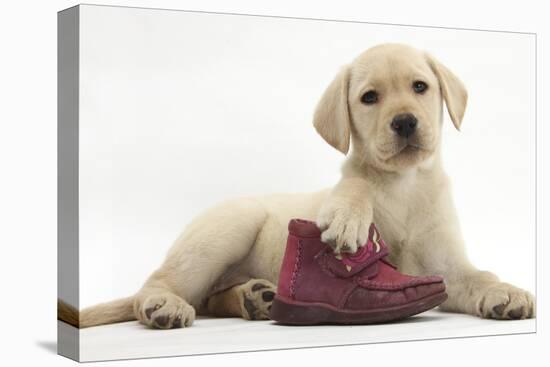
[119, 310]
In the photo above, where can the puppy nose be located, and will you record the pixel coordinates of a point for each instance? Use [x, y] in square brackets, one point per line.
[404, 124]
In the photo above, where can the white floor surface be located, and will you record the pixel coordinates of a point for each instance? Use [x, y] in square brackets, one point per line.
[208, 335]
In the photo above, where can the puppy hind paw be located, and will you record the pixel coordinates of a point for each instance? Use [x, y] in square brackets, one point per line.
[256, 297]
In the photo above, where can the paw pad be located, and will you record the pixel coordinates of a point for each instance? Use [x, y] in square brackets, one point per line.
[257, 298]
[256, 287]
[499, 309]
[161, 320]
[268, 296]
[150, 310]
[516, 313]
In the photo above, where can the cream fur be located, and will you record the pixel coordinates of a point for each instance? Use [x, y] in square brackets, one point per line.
[403, 189]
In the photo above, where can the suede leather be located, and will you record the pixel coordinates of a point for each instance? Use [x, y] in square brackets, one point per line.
[288, 267]
[348, 265]
[312, 272]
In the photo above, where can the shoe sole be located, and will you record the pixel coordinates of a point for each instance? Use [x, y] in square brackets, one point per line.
[291, 312]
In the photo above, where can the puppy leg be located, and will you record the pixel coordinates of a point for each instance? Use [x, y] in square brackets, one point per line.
[470, 291]
[251, 300]
[215, 241]
[481, 293]
[346, 215]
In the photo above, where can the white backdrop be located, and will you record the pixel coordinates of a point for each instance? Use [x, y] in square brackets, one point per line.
[179, 111]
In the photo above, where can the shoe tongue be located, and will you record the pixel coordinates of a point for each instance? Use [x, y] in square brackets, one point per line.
[346, 265]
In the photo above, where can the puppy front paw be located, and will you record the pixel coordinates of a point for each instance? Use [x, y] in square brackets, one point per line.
[344, 227]
[503, 301]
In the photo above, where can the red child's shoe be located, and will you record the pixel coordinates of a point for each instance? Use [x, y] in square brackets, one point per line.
[318, 286]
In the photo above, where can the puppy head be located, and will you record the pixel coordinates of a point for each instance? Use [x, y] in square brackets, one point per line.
[389, 103]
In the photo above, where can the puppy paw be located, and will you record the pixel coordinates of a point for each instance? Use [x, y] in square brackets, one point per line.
[344, 227]
[165, 311]
[256, 297]
[503, 301]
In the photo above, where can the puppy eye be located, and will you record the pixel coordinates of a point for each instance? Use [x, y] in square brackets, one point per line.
[419, 86]
[370, 97]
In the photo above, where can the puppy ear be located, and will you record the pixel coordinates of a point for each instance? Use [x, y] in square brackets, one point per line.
[453, 91]
[332, 118]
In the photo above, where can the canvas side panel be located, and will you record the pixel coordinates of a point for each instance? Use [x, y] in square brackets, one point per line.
[67, 163]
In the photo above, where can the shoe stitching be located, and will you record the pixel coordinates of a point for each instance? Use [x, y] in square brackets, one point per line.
[297, 266]
[391, 286]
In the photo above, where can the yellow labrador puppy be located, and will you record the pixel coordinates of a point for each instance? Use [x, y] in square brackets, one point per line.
[387, 105]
